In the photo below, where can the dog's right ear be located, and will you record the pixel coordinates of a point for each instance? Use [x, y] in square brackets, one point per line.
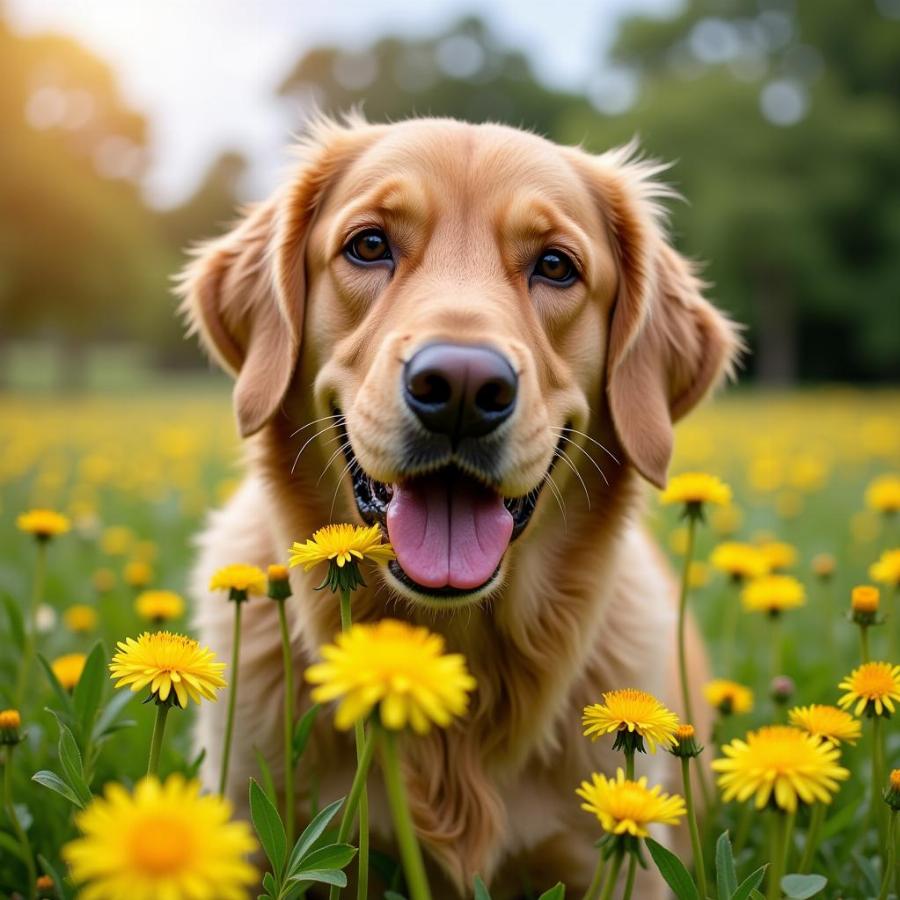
[244, 293]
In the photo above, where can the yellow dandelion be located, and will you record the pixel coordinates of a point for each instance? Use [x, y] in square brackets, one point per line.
[43, 523]
[739, 560]
[887, 569]
[68, 669]
[865, 599]
[631, 712]
[872, 688]
[778, 555]
[159, 606]
[239, 578]
[10, 718]
[773, 594]
[164, 840]
[173, 666]
[883, 494]
[629, 807]
[80, 618]
[44, 884]
[823, 565]
[827, 722]
[779, 764]
[402, 669]
[116, 540]
[137, 573]
[341, 543]
[892, 794]
[728, 697]
[698, 574]
[695, 489]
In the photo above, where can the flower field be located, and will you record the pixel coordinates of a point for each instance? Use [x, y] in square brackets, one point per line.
[786, 552]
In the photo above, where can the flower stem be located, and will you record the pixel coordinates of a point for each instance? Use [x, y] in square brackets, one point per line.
[20, 833]
[682, 620]
[232, 695]
[288, 723]
[812, 838]
[37, 597]
[410, 852]
[730, 626]
[629, 765]
[612, 877]
[864, 654]
[778, 837]
[629, 880]
[597, 880]
[890, 857]
[877, 777]
[696, 847]
[776, 641]
[156, 742]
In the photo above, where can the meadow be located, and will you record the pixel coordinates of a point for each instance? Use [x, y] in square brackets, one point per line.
[136, 476]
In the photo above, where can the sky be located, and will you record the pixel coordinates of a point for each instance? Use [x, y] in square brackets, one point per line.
[204, 71]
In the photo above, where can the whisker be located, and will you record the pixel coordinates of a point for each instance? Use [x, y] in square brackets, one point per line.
[308, 442]
[606, 450]
[559, 500]
[331, 459]
[337, 487]
[561, 454]
[594, 462]
[316, 421]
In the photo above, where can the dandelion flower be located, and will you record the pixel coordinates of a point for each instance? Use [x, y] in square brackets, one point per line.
[159, 606]
[739, 560]
[137, 574]
[629, 807]
[779, 764]
[68, 669]
[872, 688]
[80, 618]
[43, 523]
[239, 579]
[778, 555]
[164, 840]
[116, 540]
[341, 543]
[402, 669]
[631, 712]
[883, 494]
[728, 697]
[773, 594]
[696, 488]
[827, 722]
[887, 569]
[175, 668]
[10, 723]
[823, 565]
[865, 599]
[892, 794]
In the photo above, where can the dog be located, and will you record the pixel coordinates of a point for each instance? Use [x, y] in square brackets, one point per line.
[480, 340]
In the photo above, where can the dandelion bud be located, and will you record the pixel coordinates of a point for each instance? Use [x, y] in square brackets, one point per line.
[44, 884]
[892, 792]
[686, 745]
[279, 584]
[864, 605]
[10, 722]
[782, 689]
[823, 566]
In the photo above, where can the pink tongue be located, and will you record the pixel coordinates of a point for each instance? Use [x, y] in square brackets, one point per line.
[448, 533]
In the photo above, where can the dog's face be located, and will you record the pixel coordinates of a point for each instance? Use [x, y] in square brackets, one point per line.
[458, 297]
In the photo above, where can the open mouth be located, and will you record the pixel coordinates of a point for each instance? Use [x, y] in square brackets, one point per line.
[449, 529]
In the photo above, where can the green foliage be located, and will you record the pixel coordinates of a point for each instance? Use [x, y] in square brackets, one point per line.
[801, 887]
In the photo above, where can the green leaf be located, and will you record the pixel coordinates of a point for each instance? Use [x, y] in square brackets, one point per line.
[106, 722]
[393, 895]
[269, 827]
[55, 783]
[9, 843]
[72, 765]
[312, 833]
[557, 892]
[726, 877]
[481, 891]
[673, 871]
[750, 884]
[59, 885]
[89, 691]
[16, 622]
[265, 772]
[865, 865]
[302, 732]
[800, 887]
[324, 876]
[193, 767]
[62, 694]
[269, 885]
[333, 856]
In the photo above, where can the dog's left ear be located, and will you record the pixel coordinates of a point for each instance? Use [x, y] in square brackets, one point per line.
[667, 345]
[244, 293]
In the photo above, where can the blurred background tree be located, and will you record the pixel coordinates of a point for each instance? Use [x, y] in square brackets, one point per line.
[781, 118]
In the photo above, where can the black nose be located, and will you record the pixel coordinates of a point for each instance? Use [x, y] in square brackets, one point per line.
[458, 390]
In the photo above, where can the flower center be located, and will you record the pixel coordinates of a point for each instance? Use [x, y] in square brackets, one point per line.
[161, 845]
[877, 683]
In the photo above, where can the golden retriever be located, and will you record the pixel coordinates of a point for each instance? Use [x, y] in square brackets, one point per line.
[480, 340]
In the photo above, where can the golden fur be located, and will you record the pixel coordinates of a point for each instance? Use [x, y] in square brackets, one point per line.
[585, 604]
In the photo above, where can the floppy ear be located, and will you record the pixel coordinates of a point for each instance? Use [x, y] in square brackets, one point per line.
[244, 292]
[668, 346]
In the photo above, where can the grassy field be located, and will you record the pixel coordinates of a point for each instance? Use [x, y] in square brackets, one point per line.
[136, 474]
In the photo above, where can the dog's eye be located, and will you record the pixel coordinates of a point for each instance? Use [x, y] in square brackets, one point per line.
[555, 266]
[368, 246]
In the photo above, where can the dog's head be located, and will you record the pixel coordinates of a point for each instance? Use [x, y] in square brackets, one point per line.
[466, 302]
